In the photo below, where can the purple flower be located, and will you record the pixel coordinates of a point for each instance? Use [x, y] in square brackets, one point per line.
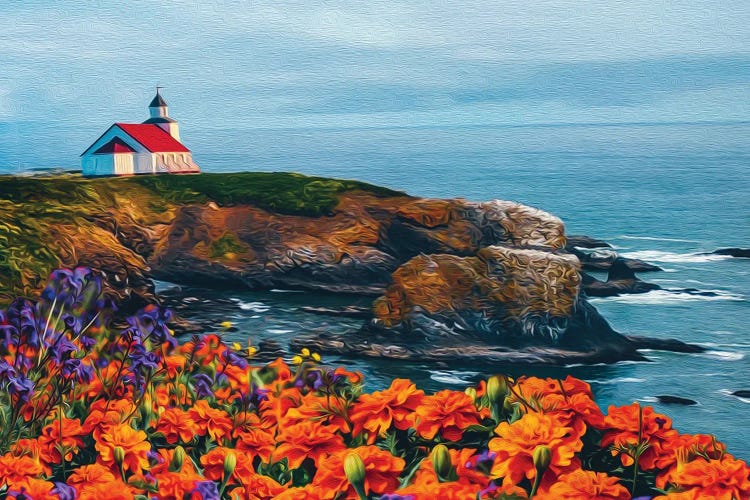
[232, 358]
[21, 387]
[207, 490]
[75, 368]
[62, 348]
[396, 496]
[482, 462]
[203, 385]
[64, 491]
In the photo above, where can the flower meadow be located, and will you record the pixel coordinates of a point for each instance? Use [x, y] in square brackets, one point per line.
[93, 407]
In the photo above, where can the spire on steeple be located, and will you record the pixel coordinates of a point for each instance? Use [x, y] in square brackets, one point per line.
[158, 101]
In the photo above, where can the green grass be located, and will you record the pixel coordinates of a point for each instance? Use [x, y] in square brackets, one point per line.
[286, 193]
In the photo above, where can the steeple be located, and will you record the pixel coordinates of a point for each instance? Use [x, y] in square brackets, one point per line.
[157, 110]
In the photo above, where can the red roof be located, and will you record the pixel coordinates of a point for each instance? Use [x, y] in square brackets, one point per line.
[116, 145]
[153, 137]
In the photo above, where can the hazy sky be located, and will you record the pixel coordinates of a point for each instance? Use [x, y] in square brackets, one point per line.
[376, 63]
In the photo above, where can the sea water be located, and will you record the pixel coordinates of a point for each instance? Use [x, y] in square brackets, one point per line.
[664, 193]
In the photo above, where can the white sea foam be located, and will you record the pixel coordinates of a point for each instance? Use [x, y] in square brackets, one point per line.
[258, 307]
[452, 377]
[278, 331]
[660, 297]
[727, 392]
[723, 355]
[661, 256]
[654, 238]
[618, 380]
[279, 290]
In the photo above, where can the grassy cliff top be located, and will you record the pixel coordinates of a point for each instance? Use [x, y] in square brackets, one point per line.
[288, 193]
[45, 220]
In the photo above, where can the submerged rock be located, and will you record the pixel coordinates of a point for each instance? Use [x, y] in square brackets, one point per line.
[620, 279]
[733, 252]
[676, 400]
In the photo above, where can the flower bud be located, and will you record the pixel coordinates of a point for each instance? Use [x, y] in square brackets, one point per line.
[441, 461]
[119, 455]
[177, 459]
[230, 462]
[472, 392]
[316, 356]
[497, 389]
[354, 468]
[226, 324]
[297, 360]
[305, 352]
[542, 459]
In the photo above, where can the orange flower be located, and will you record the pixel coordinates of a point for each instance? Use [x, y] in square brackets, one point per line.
[177, 425]
[176, 485]
[65, 432]
[307, 440]
[273, 410]
[213, 464]
[381, 472]
[516, 442]
[570, 400]
[324, 410]
[132, 442]
[95, 481]
[622, 425]
[441, 491]
[584, 484]
[16, 469]
[103, 413]
[726, 477]
[459, 459]
[257, 487]
[255, 441]
[376, 412]
[209, 420]
[32, 448]
[447, 412]
[30, 487]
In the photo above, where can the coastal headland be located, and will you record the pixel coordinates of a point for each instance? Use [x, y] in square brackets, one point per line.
[489, 282]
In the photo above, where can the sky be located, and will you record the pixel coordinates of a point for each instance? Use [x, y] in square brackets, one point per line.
[69, 69]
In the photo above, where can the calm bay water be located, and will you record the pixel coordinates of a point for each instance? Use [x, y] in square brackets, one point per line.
[660, 192]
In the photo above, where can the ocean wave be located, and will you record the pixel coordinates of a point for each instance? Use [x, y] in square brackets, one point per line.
[723, 355]
[672, 257]
[655, 238]
[454, 378]
[279, 331]
[618, 380]
[658, 297]
[258, 307]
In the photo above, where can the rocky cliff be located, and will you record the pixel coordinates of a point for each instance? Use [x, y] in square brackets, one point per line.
[495, 272]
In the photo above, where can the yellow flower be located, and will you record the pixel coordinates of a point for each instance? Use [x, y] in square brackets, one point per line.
[236, 346]
[251, 350]
[305, 352]
[316, 356]
[226, 324]
[297, 360]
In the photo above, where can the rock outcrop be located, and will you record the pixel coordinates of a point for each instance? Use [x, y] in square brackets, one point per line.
[454, 279]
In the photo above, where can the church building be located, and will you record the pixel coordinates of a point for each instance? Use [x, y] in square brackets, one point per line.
[151, 147]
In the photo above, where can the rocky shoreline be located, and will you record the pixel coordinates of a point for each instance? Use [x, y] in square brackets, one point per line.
[492, 282]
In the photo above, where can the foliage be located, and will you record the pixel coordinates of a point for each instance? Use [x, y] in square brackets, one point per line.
[92, 409]
[286, 193]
